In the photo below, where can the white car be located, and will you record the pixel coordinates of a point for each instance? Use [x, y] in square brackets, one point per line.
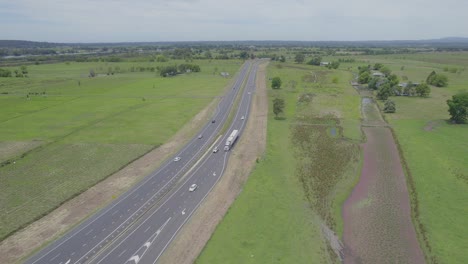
[200, 136]
[215, 149]
[242, 118]
[176, 158]
[193, 187]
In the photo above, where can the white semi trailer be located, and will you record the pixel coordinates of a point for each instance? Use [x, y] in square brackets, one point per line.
[231, 139]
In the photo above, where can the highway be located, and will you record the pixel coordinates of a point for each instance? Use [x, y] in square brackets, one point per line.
[140, 224]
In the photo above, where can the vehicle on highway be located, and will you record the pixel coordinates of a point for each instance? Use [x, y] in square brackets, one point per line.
[231, 139]
[212, 121]
[215, 149]
[176, 158]
[200, 136]
[248, 92]
[193, 187]
[243, 117]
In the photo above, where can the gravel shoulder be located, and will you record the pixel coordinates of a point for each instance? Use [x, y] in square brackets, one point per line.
[192, 238]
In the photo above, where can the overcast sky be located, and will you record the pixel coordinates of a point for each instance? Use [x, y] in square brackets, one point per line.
[181, 20]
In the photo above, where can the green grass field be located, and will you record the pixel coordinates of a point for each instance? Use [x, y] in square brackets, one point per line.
[62, 132]
[273, 220]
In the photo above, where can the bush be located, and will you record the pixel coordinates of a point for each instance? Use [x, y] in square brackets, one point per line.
[276, 83]
[389, 107]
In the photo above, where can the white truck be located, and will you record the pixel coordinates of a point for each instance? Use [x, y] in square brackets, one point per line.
[231, 140]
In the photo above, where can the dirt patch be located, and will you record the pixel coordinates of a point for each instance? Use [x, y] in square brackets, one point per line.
[75, 210]
[197, 231]
[12, 149]
[377, 215]
[431, 125]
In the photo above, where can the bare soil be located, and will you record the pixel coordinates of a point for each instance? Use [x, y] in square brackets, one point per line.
[377, 215]
[12, 149]
[72, 212]
[197, 231]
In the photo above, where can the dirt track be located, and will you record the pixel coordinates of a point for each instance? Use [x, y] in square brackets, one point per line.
[377, 215]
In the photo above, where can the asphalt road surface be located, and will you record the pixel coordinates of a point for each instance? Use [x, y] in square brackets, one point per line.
[139, 225]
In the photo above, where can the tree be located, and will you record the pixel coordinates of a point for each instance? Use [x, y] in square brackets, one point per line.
[92, 73]
[364, 77]
[333, 65]
[276, 83]
[389, 107]
[378, 66]
[299, 58]
[393, 80]
[373, 83]
[440, 80]
[278, 106]
[5, 73]
[385, 90]
[385, 70]
[24, 69]
[423, 90]
[208, 54]
[282, 58]
[458, 108]
[315, 61]
[430, 77]
[244, 55]
[161, 58]
[437, 79]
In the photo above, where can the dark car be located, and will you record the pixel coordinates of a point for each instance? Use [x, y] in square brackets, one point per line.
[212, 121]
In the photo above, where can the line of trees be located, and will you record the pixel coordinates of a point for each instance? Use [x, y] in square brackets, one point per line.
[172, 70]
[19, 73]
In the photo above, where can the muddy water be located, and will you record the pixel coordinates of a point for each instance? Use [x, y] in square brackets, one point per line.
[377, 214]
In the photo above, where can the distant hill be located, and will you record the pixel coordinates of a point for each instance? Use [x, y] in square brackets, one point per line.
[455, 42]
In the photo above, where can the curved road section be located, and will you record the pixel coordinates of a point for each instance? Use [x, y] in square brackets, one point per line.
[140, 224]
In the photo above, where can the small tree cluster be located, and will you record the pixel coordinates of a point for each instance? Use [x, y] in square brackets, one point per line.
[19, 73]
[189, 67]
[300, 57]
[437, 79]
[333, 65]
[364, 74]
[315, 61]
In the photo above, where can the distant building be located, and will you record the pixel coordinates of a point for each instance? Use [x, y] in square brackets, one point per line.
[377, 74]
[224, 74]
[324, 63]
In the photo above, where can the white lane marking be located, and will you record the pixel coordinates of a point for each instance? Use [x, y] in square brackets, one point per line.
[183, 211]
[136, 258]
[166, 210]
[116, 211]
[146, 230]
[68, 261]
[84, 245]
[55, 257]
[87, 233]
[121, 253]
[73, 253]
